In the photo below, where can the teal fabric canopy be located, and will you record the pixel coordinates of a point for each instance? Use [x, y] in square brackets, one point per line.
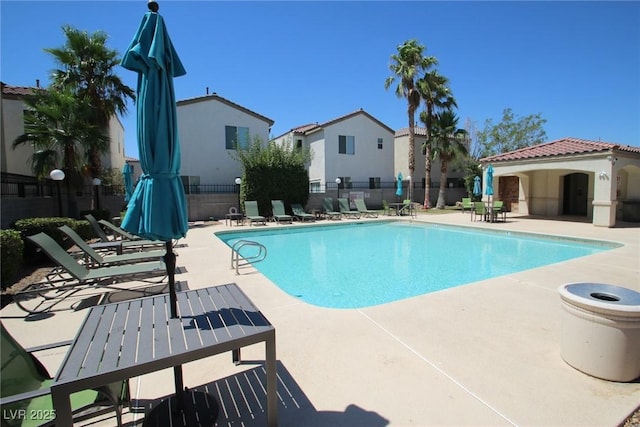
[477, 189]
[489, 184]
[157, 209]
[127, 176]
[399, 185]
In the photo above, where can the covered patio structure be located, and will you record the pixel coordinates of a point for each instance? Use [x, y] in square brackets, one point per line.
[573, 177]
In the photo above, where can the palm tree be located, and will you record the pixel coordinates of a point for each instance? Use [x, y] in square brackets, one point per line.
[437, 96]
[448, 143]
[87, 68]
[57, 123]
[408, 63]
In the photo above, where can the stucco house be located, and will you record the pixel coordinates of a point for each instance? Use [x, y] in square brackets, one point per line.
[455, 181]
[208, 128]
[17, 161]
[570, 176]
[357, 148]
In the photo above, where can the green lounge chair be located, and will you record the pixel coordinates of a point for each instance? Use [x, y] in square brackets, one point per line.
[345, 209]
[327, 205]
[364, 211]
[252, 214]
[300, 214]
[94, 259]
[26, 393]
[124, 243]
[279, 214]
[69, 276]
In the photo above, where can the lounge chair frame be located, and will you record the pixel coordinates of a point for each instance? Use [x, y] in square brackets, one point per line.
[345, 209]
[279, 213]
[252, 214]
[69, 277]
[364, 211]
[300, 214]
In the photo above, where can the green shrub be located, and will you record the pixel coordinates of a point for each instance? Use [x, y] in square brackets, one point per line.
[31, 226]
[11, 247]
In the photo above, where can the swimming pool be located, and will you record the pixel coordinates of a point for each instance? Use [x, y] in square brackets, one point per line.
[363, 264]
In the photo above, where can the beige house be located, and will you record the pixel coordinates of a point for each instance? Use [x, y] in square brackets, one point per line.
[356, 148]
[17, 161]
[455, 181]
[572, 177]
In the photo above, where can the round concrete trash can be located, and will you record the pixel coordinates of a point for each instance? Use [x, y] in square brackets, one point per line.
[601, 330]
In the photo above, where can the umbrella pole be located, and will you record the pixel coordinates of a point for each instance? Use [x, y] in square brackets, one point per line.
[170, 262]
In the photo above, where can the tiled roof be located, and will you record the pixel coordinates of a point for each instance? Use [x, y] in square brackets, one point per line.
[224, 101]
[312, 127]
[560, 147]
[16, 90]
[420, 131]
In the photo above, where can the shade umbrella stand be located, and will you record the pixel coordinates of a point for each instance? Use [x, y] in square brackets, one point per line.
[489, 189]
[157, 208]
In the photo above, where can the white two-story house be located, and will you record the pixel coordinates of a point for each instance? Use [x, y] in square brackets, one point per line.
[357, 148]
[208, 128]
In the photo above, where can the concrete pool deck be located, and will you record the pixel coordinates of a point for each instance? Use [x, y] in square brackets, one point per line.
[483, 354]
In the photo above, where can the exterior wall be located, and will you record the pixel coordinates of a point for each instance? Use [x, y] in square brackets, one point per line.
[317, 168]
[542, 183]
[201, 129]
[14, 161]
[114, 158]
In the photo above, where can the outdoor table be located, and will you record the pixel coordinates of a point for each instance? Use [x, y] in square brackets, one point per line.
[397, 207]
[126, 339]
[238, 217]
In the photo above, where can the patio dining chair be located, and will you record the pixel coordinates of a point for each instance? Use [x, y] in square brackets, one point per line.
[498, 209]
[26, 394]
[480, 210]
[466, 204]
[407, 208]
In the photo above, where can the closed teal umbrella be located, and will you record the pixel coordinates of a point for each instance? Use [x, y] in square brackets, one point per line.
[399, 185]
[157, 209]
[489, 183]
[127, 175]
[477, 189]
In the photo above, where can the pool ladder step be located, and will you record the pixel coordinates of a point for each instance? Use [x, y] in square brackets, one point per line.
[238, 260]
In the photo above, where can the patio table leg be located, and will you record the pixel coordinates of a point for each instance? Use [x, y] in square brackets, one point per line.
[272, 385]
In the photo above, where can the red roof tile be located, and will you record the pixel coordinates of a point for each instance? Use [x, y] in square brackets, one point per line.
[560, 147]
[16, 90]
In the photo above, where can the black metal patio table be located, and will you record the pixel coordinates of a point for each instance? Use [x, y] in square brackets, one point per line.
[126, 339]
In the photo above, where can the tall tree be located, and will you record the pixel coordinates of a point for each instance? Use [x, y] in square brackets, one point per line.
[56, 123]
[511, 133]
[87, 68]
[406, 65]
[434, 90]
[449, 142]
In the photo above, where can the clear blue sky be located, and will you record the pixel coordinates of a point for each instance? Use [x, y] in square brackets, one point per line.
[575, 63]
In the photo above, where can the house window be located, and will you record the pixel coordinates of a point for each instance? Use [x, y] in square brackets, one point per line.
[298, 144]
[236, 136]
[314, 187]
[345, 182]
[379, 143]
[374, 182]
[346, 144]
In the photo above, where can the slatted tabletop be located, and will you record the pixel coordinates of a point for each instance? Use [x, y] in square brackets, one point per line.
[131, 338]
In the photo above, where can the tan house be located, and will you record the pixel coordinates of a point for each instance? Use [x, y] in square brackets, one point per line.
[17, 161]
[572, 177]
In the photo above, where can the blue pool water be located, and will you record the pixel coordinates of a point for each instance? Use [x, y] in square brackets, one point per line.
[364, 264]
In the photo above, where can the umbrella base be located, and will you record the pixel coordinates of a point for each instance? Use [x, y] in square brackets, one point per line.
[201, 410]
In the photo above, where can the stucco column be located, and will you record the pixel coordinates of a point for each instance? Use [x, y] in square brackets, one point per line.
[604, 197]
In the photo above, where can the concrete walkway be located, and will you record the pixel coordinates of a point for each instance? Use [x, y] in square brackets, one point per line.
[484, 354]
